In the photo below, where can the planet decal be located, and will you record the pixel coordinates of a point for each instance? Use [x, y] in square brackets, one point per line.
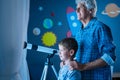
[36, 31]
[111, 10]
[47, 23]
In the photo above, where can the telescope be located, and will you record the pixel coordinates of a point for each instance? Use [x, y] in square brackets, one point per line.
[48, 63]
[39, 48]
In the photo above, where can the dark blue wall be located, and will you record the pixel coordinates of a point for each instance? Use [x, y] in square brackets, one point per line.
[56, 10]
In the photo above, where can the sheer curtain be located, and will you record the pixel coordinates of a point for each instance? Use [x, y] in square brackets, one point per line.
[14, 16]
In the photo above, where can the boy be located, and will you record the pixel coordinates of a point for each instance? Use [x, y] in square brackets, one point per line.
[67, 51]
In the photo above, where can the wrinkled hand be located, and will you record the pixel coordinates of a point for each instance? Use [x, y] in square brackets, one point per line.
[75, 65]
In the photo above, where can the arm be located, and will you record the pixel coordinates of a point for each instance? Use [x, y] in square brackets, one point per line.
[92, 65]
[88, 66]
[106, 48]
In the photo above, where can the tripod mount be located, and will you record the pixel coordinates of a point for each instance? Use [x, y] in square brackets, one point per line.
[48, 64]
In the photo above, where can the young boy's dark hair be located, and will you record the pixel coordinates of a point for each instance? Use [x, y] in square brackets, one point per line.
[69, 43]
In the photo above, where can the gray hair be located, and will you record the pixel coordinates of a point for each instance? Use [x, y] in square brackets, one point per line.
[90, 5]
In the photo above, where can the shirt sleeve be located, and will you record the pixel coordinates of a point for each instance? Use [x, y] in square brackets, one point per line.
[107, 59]
[106, 46]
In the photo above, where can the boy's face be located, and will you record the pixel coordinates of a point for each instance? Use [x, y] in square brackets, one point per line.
[64, 53]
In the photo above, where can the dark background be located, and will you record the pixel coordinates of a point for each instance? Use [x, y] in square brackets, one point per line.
[56, 10]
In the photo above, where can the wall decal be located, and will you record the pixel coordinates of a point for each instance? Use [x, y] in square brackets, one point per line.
[36, 31]
[112, 10]
[49, 39]
[74, 24]
[47, 23]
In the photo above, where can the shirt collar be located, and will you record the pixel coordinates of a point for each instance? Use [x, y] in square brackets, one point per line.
[90, 24]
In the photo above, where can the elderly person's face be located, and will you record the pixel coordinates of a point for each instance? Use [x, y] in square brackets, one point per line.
[82, 12]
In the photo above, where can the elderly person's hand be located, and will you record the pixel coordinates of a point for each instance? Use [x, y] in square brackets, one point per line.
[75, 65]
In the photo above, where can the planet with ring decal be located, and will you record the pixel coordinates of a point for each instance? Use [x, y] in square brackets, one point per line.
[111, 10]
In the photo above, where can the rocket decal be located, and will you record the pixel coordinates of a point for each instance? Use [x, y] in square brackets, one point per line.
[74, 24]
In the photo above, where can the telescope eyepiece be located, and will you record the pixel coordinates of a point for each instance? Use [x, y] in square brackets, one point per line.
[25, 45]
[54, 51]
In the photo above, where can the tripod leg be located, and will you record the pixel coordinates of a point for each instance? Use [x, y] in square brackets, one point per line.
[54, 70]
[44, 74]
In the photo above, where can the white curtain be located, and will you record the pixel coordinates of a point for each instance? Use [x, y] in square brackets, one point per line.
[14, 16]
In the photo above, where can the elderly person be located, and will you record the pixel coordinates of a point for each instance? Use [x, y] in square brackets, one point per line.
[96, 51]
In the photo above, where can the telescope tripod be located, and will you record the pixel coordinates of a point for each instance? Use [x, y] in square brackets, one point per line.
[48, 64]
